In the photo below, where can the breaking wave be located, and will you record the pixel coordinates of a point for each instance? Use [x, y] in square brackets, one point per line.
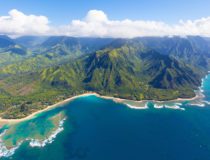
[7, 152]
[50, 139]
[4, 151]
[198, 104]
[156, 106]
[175, 106]
[136, 107]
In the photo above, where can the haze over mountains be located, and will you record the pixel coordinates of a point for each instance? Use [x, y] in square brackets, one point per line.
[38, 71]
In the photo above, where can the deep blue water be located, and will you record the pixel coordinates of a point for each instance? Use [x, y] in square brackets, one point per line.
[99, 129]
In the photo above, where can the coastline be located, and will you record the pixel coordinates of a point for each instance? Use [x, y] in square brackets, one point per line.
[31, 116]
[197, 96]
[117, 100]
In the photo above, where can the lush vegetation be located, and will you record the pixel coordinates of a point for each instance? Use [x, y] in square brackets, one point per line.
[52, 69]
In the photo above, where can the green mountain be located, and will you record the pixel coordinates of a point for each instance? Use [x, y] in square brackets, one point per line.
[9, 46]
[5, 42]
[126, 72]
[193, 50]
[30, 42]
[10, 52]
[159, 68]
[51, 51]
[72, 46]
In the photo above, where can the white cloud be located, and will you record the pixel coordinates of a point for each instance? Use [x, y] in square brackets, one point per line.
[96, 23]
[17, 23]
[96, 16]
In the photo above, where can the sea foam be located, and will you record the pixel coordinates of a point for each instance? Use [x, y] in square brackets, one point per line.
[50, 139]
[136, 107]
[175, 106]
[202, 83]
[158, 106]
[206, 102]
[5, 152]
[198, 104]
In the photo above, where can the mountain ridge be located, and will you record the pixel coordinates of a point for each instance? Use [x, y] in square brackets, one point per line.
[145, 68]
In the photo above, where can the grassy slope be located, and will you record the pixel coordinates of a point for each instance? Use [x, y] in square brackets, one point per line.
[128, 71]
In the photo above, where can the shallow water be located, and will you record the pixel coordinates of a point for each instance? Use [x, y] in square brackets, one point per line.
[92, 128]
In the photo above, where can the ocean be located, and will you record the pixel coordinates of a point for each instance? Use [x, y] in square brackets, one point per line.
[93, 128]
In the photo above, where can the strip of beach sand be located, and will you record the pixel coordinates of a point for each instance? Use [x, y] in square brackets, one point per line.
[12, 121]
[118, 100]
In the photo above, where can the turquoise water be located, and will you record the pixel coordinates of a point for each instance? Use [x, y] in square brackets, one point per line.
[92, 128]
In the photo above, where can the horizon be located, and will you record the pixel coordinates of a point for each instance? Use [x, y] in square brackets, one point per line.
[48, 36]
[143, 19]
[97, 37]
[104, 80]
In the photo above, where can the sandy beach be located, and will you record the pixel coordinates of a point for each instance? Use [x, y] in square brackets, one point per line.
[197, 96]
[118, 100]
[12, 121]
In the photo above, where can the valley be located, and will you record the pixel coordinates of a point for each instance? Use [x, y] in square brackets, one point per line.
[36, 72]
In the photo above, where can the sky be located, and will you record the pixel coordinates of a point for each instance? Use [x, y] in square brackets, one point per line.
[105, 18]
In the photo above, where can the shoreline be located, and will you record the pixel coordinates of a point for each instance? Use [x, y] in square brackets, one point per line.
[117, 100]
[31, 116]
[197, 96]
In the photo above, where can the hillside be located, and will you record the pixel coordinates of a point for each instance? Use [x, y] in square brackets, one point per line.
[141, 68]
[127, 72]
